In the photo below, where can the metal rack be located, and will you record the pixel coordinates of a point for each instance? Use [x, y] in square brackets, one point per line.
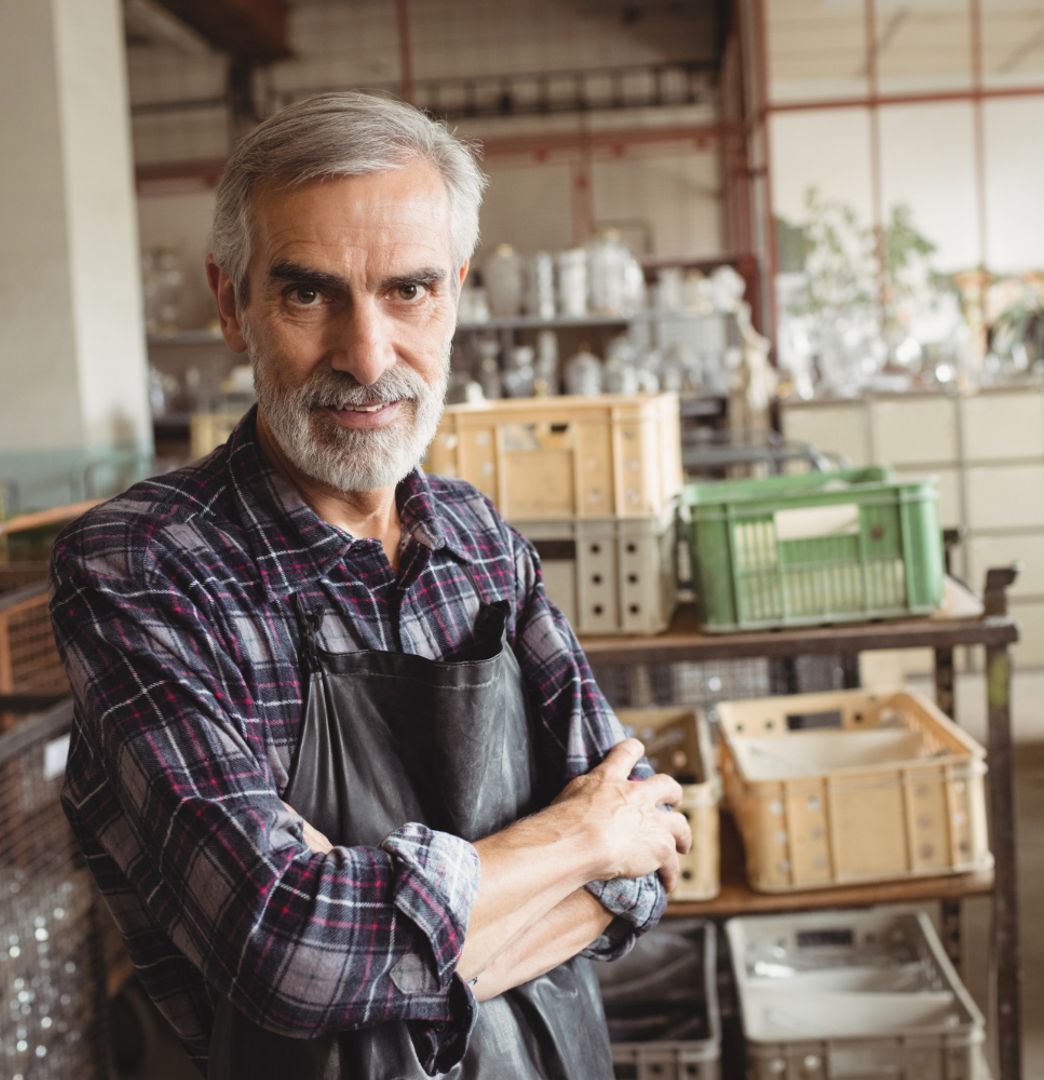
[53, 1013]
[995, 632]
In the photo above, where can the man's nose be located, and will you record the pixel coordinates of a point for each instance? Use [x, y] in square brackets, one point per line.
[362, 343]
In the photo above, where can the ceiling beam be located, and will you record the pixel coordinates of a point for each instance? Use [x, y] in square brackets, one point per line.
[247, 29]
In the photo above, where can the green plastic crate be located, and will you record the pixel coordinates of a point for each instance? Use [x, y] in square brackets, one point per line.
[815, 548]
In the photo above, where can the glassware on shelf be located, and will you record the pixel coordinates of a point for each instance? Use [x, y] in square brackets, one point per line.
[669, 289]
[540, 285]
[546, 365]
[583, 373]
[727, 288]
[473, 306]
[650, 363]
[487, 350]
[621, 367]
[503, 274]
[518, 376]
[162, 288]
[571, 270]
[607, 261]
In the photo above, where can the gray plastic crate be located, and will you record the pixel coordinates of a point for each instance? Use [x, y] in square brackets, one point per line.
[661, 1005]
[852, 994]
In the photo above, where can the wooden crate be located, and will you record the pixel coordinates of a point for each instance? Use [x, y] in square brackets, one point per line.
[29, 661]
[560, 457]
[612, 576]
[847, 787]
[852, 994]
[677, 742]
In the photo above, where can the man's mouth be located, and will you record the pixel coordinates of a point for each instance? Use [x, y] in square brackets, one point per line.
[362, 408]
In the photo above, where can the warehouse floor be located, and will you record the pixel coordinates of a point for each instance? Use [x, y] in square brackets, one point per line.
[167, 1062]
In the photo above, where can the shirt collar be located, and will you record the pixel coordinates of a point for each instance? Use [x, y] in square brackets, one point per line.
[291, 544]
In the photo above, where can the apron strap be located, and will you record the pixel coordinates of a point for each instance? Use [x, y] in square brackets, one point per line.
[308, 623]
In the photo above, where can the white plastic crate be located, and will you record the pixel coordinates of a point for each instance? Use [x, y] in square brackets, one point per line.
[661, 1005]
[609, 576]
[677, 742]
[854, 995]
[613, 455]
[852, 786]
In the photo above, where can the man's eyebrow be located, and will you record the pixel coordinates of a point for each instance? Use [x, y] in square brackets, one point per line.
[295, 274]
[425, 275]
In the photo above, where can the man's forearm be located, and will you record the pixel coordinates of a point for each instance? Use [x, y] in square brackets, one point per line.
[557, 937]
[527, 871]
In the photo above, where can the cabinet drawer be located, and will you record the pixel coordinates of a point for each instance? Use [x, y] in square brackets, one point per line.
[914, 431]
[835, 429]
[1004, 496]
[985, 552]
[999, 426]
[949, 481]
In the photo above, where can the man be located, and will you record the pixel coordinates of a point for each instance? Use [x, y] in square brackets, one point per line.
[339, 766]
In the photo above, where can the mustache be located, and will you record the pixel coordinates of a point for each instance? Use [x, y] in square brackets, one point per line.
[340, 388]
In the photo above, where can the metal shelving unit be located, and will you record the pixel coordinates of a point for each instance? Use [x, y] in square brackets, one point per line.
[994, 631]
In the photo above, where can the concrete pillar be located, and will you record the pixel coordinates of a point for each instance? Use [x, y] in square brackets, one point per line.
[73, 372]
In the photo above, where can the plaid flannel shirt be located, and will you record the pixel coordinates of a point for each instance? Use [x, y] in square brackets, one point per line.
[172, 609]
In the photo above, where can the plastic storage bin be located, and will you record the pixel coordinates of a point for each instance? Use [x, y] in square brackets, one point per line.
[853, 994]
[661, 1005]
[560, 457]
[850, 786]
[614, 576]
[677, 742]
[816, 548]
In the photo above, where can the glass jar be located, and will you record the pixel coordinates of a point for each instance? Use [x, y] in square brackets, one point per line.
[607, 260]
[503, 274]
[540, 285]
[571, 267]
[583, 373]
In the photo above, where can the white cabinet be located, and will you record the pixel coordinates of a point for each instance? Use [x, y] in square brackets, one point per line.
[914, 431]
[1004, 496]
[835, 429]
[1002, 427]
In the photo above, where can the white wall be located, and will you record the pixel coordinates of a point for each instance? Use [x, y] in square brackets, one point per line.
[71, 341]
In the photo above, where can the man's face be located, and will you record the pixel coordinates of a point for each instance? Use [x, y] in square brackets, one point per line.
[351, 310]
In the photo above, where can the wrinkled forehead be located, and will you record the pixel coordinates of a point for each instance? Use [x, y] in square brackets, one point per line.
[397, 208]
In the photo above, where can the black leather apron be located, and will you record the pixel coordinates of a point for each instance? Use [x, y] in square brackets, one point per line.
[390, 738]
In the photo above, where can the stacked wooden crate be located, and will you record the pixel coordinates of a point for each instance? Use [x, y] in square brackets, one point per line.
[594, 483]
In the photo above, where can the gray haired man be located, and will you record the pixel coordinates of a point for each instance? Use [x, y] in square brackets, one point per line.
[339, 765]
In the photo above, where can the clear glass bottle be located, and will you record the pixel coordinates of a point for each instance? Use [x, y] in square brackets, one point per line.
[607, 260]
[503, 274]
[583, 373]
[571, 270]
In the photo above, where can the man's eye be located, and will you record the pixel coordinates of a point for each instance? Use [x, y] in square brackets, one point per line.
[302, 294]
[409, 290]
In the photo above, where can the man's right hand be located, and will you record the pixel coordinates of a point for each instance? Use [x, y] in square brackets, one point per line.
[630, 834]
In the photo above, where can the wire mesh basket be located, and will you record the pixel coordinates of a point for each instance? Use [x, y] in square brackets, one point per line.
[29, 661]
[52, 976]
[702, 685]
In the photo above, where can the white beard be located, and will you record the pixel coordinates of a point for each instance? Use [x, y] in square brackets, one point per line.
[342, 458]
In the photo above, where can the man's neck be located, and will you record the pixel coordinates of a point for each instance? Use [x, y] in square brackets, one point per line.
[364, 514]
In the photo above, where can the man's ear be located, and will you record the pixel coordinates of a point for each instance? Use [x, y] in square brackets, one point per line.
[228, 310]
[463, 274]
